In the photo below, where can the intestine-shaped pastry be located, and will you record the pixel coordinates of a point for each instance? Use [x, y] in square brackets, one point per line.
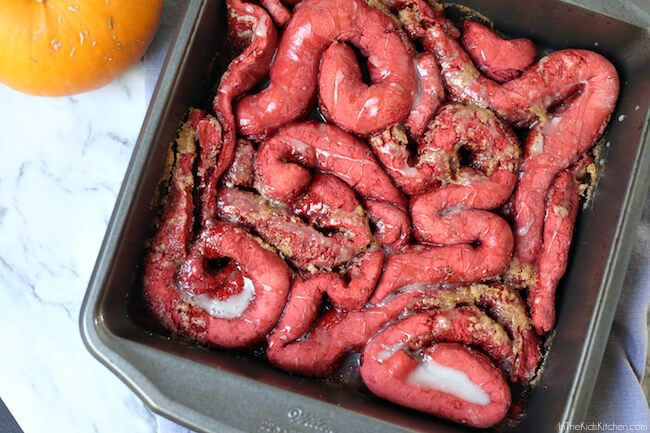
[404, 226]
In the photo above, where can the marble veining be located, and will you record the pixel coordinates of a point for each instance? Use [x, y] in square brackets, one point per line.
[61, 165]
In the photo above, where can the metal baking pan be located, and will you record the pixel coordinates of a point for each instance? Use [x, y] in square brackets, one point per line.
[219, 391]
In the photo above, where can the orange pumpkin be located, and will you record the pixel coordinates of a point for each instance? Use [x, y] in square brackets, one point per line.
[61, 47]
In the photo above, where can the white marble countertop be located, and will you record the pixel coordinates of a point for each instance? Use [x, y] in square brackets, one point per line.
[61, 164]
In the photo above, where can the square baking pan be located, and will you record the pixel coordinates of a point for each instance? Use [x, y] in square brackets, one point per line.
[219, 391]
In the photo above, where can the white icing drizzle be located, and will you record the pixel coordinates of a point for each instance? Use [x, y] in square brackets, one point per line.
[338, 78]
[433, 375]
[371, 106]
[389, 351]
[298, 147]
[261, 28]
[230, 308]
[537, 145]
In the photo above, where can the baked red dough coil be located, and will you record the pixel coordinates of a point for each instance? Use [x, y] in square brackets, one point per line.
[235, 306]
[409, 226]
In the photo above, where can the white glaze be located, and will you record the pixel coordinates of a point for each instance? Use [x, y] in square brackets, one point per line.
[230, 308]
[407, 171]
[371, 106]
[261, 28]
[338, 78]
[420, 73]
[433, 375]
[523, 231]
[537, 146]
[389, 351]
[298, 147]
